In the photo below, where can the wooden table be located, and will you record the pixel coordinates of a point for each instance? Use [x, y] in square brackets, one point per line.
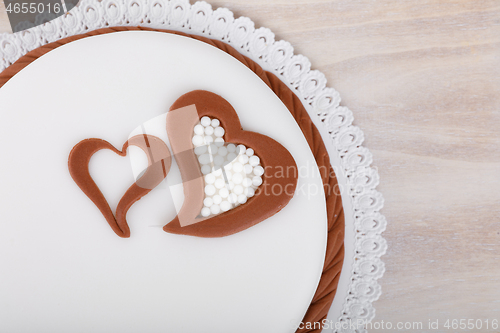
[423, 81]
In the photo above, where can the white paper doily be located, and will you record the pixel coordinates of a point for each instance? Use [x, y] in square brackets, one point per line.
[364, 244]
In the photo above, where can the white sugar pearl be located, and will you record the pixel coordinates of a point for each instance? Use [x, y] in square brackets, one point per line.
[208, 202]
[237, 167]
[229, 175]
[254, 160]
[231, 156]
[231, 185]
[204, 159]
[238, 189]
[243, 159]
[210, 190]
[219, 183]
[209, 130]
[258, 170]
[219, 142]
[219, 160]
[197, 140]
[225, 206]
[215, 123]
[205, 212]
[249, 192]
[215, 209]
[247, 182]
[257, 181]
[249, 152]
[241, 149]
[209, 139]
[198, 129]
[242, 198]
[219, 131]
[200, 150]
[223, 192]
[210, 179]
[206, 169]
[218, 172]
[222, 151]
[233, 198]
[228, 166]
[231, 148]
[213, 148]
[247, 169]
[205, 121]
[237, 178]
[217, 199]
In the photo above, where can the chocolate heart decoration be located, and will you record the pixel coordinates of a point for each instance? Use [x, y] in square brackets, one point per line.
[159, 161]
[274, 193]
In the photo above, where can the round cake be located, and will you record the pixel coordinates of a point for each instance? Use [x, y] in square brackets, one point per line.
[158, 181]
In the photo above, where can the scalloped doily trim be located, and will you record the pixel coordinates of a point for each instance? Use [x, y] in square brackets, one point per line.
[294, 70]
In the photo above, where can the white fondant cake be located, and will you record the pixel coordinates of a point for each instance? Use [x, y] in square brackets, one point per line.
[63, 268]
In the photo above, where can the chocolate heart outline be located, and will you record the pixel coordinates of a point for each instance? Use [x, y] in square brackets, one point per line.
[159, 163]
[271, 153]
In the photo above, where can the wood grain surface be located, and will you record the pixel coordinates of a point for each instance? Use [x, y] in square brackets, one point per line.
[423, 81]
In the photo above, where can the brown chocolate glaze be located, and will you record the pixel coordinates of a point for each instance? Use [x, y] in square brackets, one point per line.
[273, 157]
[327, 287]
[159, 161]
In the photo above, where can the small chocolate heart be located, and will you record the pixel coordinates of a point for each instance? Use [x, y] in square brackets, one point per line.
[275, 159]
[159, 161]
